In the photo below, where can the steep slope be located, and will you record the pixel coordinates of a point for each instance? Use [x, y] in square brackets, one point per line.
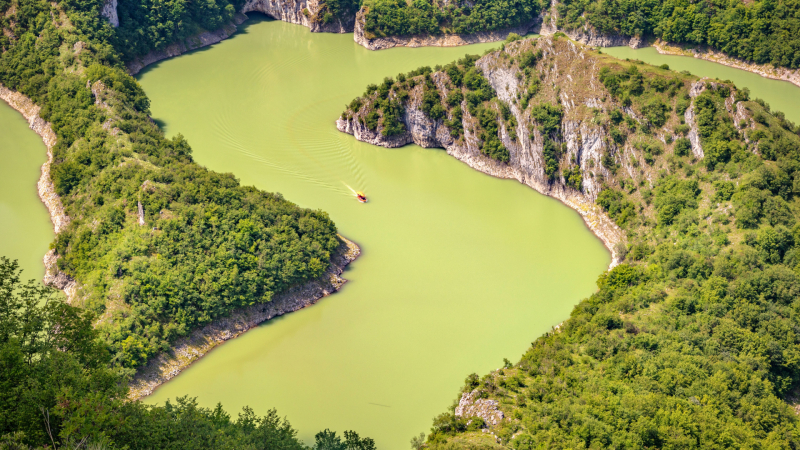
[691, 340]
[556, 73]
[152, 244]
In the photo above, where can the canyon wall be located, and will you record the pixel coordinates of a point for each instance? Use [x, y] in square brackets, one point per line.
[572, 82]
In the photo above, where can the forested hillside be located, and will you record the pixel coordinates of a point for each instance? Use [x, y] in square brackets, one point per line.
[764, 31]
[692, 340]
[59, 388]
[202, 245]
[157, 244]
[401, 18]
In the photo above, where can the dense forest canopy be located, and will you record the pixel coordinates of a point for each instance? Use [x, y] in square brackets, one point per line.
[693, 341]
[761, 31]
[401, 18]
[207, 245]
[158, 245]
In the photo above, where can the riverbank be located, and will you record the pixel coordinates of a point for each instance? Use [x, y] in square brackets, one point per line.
[199, 40]
[593, 216]
[446, 40]
[190, 349]
[200, 342]
[765, 70]
[584, 141]
[47, 193]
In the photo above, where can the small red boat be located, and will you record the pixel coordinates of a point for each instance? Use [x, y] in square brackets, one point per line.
[361, 197]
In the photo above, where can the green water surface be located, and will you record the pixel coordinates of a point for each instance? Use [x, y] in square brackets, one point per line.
[25, 227]
[781, 95]
[459, 269]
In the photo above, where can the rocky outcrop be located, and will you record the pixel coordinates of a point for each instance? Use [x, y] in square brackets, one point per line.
[709, 54]
[447, 40]
[188, 350]
[300, 12]
[109, 11]
[584, 140]
[200, 40]
[697, 88]
[472, 405]
[47, 192]
[589, 36]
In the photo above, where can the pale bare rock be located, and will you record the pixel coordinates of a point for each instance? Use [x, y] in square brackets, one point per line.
[589, 36]
[446, 40]
[47, 192]
[300, 12]
[694, 134]
[188, 350]
[471, 405]
[585, 143]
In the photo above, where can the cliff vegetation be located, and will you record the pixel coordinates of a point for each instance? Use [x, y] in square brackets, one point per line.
[154, 244]
[401, 18]
[158, 244]
[691, 340]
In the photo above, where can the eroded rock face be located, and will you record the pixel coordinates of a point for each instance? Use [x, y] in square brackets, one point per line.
[301, 12]
[585, 141]
[109, 11]
[589, 36]
[471, 405]
[694, 135]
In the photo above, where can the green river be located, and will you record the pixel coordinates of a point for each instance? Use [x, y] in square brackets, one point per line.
[458, 270]
[25, 227]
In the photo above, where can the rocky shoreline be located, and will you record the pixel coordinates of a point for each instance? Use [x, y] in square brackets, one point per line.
[447, 40]
[302, 12]
[584, 142]
[45, 188]
[765, 70]
[188, 350]
[200, 40]
[596, 220]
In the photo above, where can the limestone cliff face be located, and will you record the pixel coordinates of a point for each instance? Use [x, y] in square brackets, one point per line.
[109, 12]
[589, 36]
[570, 79]
[301, 12]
